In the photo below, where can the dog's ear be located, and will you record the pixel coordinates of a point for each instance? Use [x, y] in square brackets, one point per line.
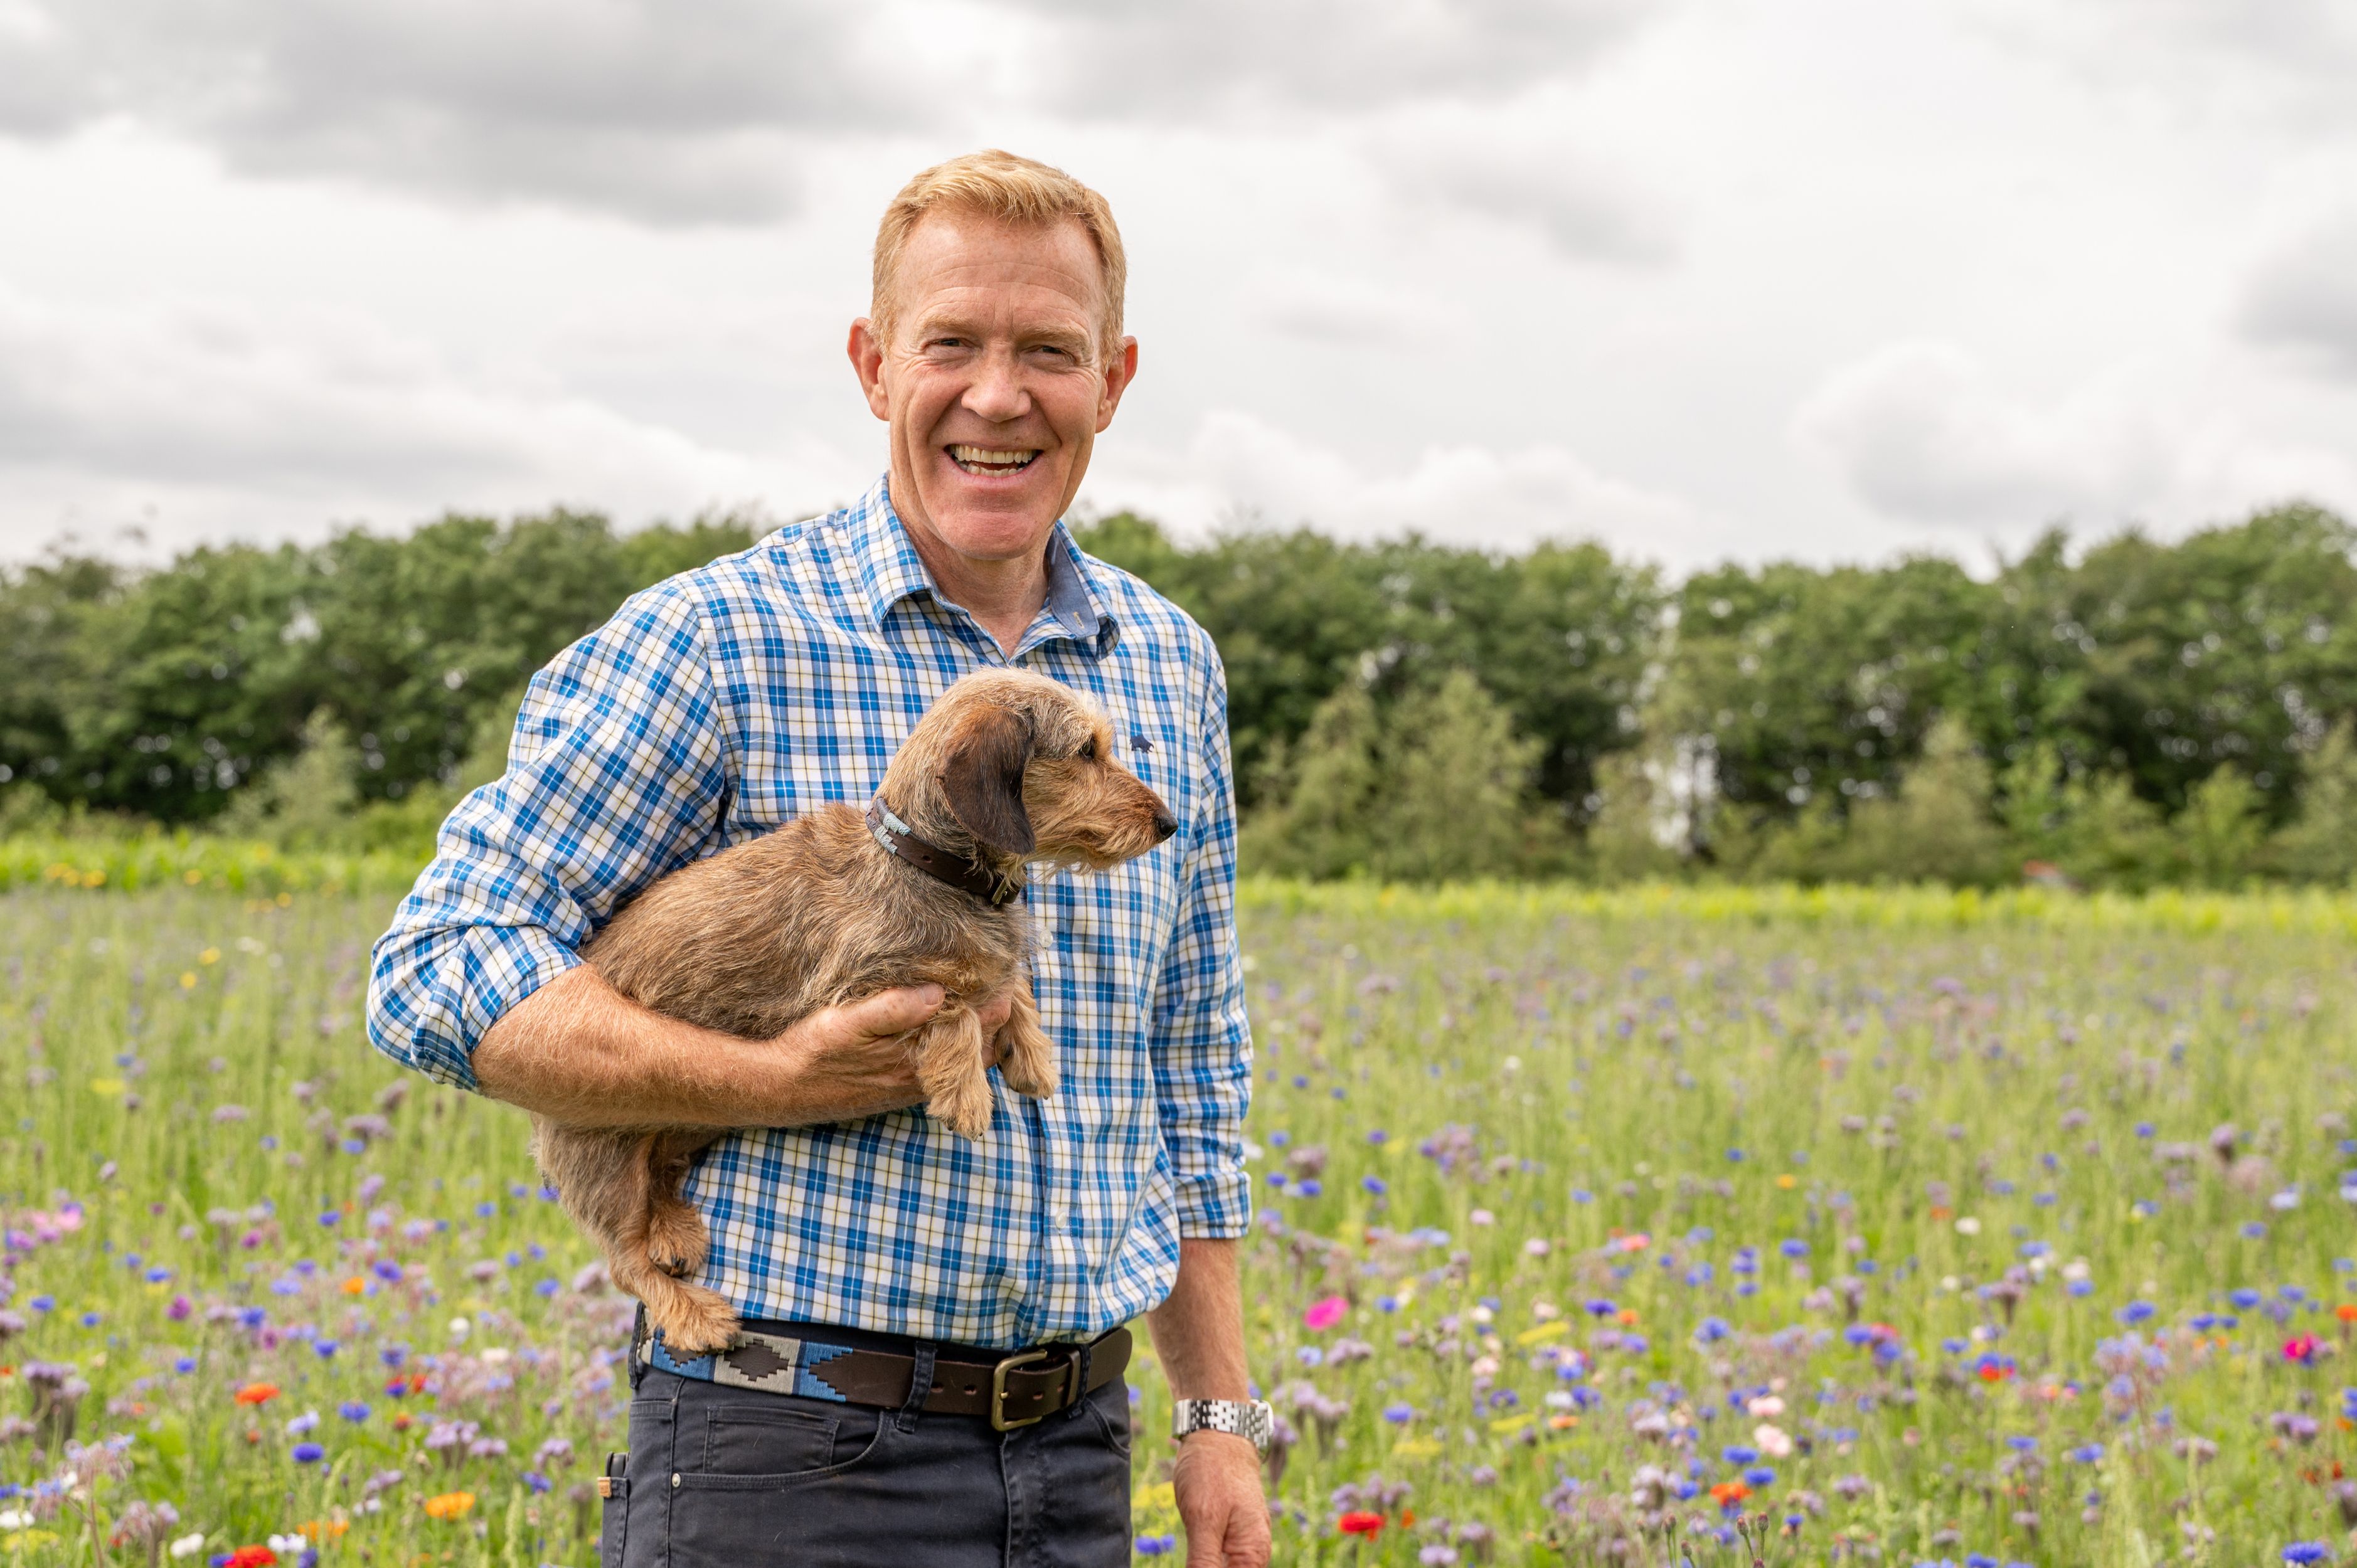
[983, 781]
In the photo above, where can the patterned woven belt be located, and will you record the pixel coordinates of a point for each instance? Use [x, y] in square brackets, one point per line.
[1015, 1390]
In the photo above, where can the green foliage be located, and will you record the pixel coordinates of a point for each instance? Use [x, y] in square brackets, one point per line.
[1438, 790]
[1936, 828]
[2152, 711]
[2320, 845]
[163, 694]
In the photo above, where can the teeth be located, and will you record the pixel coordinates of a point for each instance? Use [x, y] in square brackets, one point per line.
[985, 456]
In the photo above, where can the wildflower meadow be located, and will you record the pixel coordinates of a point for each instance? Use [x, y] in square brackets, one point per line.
[1657, 1225]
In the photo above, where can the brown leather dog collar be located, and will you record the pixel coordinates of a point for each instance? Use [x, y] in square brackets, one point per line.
[961, 872]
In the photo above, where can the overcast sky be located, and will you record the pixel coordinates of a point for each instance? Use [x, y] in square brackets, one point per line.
[1830, 279]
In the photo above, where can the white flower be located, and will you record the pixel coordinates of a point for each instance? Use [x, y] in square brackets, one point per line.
[1537, 1247]
[1487, 1367]
[1766, 1406]
[2288, 1198]
[1481, 1216]
[187, 1545]
[459, 1326]
[293, 1543]
[15, 1518]
[1968, 1226]
[1560, 1399]
[1773, 1441]
[2076, 1270]
[496, 1355]
[1483, 1315]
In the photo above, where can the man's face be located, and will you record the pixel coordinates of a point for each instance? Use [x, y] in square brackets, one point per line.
[995, 381]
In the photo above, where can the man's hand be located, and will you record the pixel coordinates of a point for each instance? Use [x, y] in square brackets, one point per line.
[853, 1060]
[580, 1051]
[1220, 1501]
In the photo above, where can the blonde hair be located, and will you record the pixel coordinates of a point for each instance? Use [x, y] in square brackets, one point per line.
[1012, 189]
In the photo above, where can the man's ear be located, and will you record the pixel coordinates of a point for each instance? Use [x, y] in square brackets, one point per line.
[983, 781]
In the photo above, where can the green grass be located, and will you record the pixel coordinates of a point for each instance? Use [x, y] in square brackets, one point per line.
[1890, 1066]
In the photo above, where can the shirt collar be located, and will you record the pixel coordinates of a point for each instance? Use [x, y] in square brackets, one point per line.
[890, 570]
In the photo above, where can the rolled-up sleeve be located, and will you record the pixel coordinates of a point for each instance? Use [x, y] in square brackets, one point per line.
[615, 775]
[1201, 1038]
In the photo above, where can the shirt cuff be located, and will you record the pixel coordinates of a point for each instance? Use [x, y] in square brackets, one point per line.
[1215, 1205]
[435, 1002]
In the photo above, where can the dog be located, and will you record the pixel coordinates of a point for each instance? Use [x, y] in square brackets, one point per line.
[1006, 768]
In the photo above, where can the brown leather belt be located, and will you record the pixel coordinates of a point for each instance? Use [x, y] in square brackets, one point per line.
[1015, 1390]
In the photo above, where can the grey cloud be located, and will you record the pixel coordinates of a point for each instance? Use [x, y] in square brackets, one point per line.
[2304, 299]
[1515, 170]
[2285, 60]
[703, 110]
[1150, 58]
[1345, 312]
[669, 113]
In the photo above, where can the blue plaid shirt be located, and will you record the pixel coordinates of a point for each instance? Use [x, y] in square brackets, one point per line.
[718, 705]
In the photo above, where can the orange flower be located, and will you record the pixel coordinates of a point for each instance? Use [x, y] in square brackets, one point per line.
[1563, 1421]
[1628, 1317]
[355, 1286]
[1940, 1211]
[2346, 1312]
[1726, 1494]
[257, 1393]
[449, 1505]
[323, 1530]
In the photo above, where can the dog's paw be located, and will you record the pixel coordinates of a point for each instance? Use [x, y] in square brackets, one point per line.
[694, 1322]
[677, 1241]
[1035, 1077]
[966, 1106]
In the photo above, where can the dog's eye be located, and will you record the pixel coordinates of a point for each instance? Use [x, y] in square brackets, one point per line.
[1088, 749]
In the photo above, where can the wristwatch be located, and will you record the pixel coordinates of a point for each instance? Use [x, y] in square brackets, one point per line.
[1250, 1419]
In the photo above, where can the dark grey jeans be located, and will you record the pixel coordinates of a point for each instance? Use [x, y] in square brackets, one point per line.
[722, 1476]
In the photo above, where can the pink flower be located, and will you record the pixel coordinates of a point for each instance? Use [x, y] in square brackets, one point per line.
[2300, 1347]
[1324, 1315]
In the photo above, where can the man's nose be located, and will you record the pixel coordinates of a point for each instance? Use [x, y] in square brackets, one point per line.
[997, 393]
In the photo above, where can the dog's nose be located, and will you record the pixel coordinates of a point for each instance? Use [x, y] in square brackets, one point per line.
[1165, 824]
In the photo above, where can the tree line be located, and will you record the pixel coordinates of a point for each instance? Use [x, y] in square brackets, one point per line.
[1402, 708]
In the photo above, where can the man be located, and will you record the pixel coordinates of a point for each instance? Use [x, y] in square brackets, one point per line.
[886, 1270]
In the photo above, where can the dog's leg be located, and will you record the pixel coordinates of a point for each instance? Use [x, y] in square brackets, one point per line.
[1030, 1065]
[676, 1237]
[950, 1071]
[608, 1180]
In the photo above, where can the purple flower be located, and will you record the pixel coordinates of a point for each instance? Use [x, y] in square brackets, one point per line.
[537, 1482]
[1399, 1414]
[353, 1410]
[308, 1453]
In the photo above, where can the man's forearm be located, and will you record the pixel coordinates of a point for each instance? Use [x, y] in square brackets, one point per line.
[1199, 1332]
[578, 1050]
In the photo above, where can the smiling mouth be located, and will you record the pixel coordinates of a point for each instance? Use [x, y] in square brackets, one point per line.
[992, 460]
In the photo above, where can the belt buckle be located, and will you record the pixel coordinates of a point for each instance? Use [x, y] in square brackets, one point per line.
[999, 1421]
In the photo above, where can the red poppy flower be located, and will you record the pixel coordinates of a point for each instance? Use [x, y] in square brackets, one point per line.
[1359, 1522]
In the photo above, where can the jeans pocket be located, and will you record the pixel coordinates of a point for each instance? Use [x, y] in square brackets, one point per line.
[1108, 1412]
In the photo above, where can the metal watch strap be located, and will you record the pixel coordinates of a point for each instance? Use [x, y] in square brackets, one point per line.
[1249, 1418]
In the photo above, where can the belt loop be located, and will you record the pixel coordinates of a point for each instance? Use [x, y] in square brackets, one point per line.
[1080, 1384]
[921, 1385]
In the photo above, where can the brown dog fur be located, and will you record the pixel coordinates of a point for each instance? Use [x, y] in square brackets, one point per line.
[1007, 768]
